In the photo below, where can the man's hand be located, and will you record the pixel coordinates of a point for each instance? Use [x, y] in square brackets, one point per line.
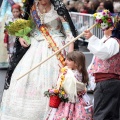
[87, 34]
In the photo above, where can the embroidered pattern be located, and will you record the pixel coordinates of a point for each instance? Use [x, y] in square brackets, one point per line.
[48, 37]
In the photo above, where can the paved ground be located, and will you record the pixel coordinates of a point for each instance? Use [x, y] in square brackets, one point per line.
[2, 80]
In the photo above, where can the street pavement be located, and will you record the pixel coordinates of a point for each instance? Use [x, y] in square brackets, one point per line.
[2, 81]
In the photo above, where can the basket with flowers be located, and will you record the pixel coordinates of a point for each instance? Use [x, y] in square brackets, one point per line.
[56, 96]
[103, 19]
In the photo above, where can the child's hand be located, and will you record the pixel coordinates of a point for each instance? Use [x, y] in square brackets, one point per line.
[5, 44]
[23, 42]
[87, 34]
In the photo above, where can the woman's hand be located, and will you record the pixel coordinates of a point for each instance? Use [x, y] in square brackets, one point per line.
[87, 34]
[23, 42]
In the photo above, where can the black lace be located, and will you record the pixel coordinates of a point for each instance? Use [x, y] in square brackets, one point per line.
[16, 56]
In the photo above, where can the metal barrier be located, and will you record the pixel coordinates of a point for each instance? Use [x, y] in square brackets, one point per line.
[83, 21]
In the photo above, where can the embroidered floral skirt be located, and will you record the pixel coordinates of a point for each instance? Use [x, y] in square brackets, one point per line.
[71, 111]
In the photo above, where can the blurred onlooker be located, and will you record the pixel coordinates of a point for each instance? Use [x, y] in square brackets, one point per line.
[91, 7]
[96, 4]
[78, 4]
[71, 6]
[116, 6]
[109, 6]
[83, 9]
[86, 3]
[100, 7]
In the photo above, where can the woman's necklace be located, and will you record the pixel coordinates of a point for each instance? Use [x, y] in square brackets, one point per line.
[41, 15]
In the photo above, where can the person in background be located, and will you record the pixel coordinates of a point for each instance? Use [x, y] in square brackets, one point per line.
[72, 6]
[9, 40]
[109, 6]
[100, 7]
[91, 7]
[5, 11]
[18, 51]
[106, 69]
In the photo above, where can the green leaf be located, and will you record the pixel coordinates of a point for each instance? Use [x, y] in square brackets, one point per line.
[27, 39]
[23, 33]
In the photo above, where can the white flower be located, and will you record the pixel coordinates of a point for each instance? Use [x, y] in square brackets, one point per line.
[104, 25]
[99, 15]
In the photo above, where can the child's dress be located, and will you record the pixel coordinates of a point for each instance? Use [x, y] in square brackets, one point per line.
[78, 107]
[10, 39]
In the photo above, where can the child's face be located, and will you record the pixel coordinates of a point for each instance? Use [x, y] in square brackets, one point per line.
[108, 32]
[16, 13]
[70, 64]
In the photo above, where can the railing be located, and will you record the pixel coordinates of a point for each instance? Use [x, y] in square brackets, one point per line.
[83, 21]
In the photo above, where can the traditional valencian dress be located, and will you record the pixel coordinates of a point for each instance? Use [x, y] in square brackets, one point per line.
[24, 100]
[11, 39]
[78, 107]
[5, 11]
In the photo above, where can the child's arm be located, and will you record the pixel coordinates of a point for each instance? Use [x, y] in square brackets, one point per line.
[80, 86]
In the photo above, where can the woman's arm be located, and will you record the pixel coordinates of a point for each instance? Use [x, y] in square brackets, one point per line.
[68, 33]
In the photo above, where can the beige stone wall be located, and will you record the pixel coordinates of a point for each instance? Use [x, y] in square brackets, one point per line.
[3, 50]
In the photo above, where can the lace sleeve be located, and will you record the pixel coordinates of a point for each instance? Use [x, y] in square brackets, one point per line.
[67, 30]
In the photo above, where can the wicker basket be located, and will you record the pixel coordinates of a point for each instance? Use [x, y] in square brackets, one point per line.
[54, 101]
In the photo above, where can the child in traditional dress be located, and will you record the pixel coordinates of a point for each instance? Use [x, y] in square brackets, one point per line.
[74, 83]
[9, 40]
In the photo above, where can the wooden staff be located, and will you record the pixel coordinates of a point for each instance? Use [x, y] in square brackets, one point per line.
[56, 52]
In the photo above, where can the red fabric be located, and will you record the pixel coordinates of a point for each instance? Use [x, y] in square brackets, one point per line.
[16, 6]
[105, 76]
[6, 37]
[103, 69]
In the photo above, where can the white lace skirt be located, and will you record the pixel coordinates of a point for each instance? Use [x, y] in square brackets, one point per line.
[25, 100]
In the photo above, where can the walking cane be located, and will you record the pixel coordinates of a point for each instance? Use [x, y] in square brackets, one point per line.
[73, 40]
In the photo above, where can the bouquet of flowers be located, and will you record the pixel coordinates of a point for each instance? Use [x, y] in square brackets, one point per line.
[56, 96]
[103, 19]
[20, 28]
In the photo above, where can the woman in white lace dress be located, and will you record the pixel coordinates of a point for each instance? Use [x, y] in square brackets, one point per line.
[24, 100]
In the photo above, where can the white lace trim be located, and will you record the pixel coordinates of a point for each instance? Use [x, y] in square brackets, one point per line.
[49, 16]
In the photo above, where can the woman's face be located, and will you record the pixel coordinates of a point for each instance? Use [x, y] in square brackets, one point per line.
[101, 5]
[44, 2]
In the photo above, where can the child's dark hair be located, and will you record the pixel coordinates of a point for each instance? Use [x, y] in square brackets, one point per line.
[79, 58]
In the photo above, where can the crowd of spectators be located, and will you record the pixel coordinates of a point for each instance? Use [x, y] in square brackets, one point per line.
[92, 6]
